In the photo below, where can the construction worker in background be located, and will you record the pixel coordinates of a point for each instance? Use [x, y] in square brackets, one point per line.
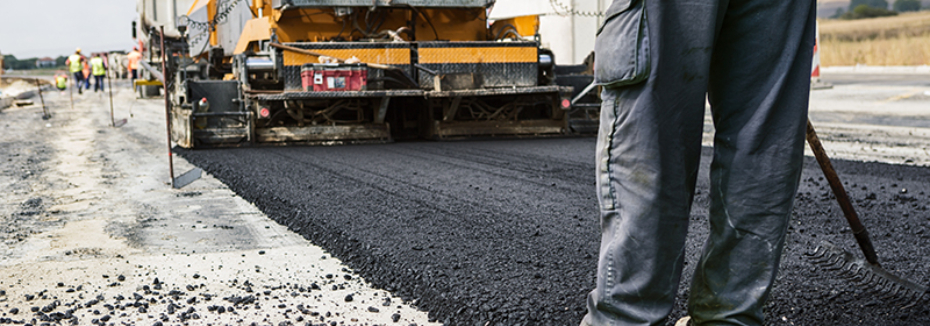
[751, 60]
[61, 81]
[75, 65]
[133, 63]
[99, 70]
[86, 71]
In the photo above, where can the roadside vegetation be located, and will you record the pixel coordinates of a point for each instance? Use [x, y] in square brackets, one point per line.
[10, 62]
[902, 39]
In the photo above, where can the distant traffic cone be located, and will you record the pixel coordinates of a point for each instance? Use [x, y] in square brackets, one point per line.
[816, 82]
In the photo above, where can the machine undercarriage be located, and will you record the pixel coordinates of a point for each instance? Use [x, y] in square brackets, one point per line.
[428, 69]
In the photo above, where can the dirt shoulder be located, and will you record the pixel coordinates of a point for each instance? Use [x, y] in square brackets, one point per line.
[92, 233]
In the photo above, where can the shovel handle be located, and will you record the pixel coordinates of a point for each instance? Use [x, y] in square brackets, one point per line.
[859, 231]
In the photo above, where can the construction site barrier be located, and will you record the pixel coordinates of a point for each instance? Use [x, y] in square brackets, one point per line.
[816, 82]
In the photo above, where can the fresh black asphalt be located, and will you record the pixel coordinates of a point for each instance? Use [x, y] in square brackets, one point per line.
[505, 232]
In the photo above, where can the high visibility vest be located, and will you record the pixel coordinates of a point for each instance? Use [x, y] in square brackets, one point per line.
[96, 64]
[61, 81]
[75, 63]
[133, 58]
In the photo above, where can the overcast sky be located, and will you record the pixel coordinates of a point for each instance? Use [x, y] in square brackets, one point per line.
[50, 28]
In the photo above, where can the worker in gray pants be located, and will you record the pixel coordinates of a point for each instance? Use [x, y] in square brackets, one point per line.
[656, 61]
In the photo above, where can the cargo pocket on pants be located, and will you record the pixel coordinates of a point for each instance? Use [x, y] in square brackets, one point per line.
[621, 50]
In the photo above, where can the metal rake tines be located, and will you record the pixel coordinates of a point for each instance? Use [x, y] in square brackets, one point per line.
[872, 278]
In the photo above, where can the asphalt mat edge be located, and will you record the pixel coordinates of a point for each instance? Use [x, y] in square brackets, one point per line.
[389, 212]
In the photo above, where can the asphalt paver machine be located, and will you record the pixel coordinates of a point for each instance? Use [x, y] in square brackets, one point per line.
[338, 71]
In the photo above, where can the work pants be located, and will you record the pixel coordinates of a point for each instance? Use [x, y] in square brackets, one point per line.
[98, 83]
[132, 79]
[752, 60]
[78, 80]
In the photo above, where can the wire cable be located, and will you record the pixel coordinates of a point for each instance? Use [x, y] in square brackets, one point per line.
[428, 21]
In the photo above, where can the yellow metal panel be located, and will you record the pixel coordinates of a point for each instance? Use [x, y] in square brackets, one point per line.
[319, 25]
[478, 54]
[197, 4]
[255, 30]
[527, 25]
[143, 82]
[523, 25]
[382, 56]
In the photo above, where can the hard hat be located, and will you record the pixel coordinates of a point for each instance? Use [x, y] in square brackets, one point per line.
[78, 50]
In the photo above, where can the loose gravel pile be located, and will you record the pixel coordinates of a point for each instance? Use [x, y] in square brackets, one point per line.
[506, 232]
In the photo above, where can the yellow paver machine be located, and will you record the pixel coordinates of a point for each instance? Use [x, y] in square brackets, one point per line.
[338, 71]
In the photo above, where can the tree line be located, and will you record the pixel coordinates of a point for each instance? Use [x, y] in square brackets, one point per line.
[859, 9]
[11, 62]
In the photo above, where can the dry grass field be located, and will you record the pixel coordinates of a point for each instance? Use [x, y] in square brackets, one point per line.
[888, 41]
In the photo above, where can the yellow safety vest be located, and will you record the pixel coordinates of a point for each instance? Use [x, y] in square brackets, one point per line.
[75, 63]
[62, 82]
[96, 64]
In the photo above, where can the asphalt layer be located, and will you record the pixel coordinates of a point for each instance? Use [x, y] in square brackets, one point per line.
[506, 232]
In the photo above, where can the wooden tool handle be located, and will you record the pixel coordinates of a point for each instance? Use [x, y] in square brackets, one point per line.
[859, 231]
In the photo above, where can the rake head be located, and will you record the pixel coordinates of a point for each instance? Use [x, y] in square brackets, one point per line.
[873, 278]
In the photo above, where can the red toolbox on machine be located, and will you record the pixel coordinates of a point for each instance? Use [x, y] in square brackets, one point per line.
[322, 77]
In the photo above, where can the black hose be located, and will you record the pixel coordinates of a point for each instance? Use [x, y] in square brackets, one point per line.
[515, 34]
[502, 30]
[428, 21]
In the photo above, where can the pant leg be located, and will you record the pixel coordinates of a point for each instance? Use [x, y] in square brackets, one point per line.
[759, 88]
[98, 83]
[648, 151]
[78, 81]
[132, 80]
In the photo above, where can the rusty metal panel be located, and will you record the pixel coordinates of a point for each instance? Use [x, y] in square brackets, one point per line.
[383, 3]
[501, 91]
[323, 133]
[219, 137]
[338, 94]
[181, 126]
[455, 129]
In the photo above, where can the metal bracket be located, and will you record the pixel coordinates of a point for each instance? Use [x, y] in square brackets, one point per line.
[449, 113]
[186, 178]
[382, 109]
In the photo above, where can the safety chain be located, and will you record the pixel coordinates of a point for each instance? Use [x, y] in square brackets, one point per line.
[566, 10]
[224, 9]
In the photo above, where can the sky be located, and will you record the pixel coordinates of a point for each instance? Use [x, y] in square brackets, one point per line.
[50, 28]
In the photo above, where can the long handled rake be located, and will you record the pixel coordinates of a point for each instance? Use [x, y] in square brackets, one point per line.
[113, 122]
[71, 92]
[45, 114]
[868, 273]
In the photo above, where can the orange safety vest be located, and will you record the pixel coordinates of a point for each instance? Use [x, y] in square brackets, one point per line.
[133, 58]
